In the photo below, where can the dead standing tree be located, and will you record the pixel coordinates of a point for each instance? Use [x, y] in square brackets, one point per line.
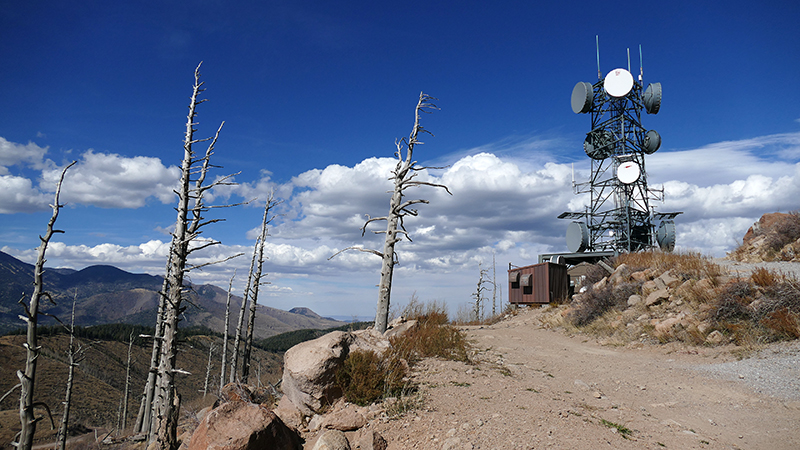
[144, 419]
[75, 354]
[225, 333]
[403, 176]
[240, 322]
[27, 380]
[185, 240]
[478, 295]
[256, 277]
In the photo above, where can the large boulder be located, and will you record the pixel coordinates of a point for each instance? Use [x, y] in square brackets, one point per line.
[309, 371]
[309, 368]
[243, 426]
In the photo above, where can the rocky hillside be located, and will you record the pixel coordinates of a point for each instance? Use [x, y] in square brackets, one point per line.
[748, 299]
[775, 237]
[100, 379]
[106, 294]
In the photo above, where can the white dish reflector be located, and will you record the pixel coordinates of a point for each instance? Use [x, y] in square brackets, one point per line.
[618, 83]
[628, 172]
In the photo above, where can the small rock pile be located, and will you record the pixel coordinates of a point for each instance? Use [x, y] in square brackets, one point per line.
[665, 306]
[311, 408]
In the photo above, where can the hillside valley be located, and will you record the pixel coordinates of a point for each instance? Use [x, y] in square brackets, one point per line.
[106, 294]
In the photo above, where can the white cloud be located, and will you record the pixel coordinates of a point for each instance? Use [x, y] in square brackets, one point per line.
[721, 163]
[501, 204]
[12, 154]
[17, 194]
[108, 180]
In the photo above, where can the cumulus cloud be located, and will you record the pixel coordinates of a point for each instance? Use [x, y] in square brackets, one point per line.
[108, 180]
[17, 194]
[105, 180]
[502, 205]
[12, 154]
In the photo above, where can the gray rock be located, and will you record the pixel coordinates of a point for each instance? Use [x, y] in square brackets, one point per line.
[309, 372]
[669, 280]
[332, 440]
[634, 300]
[370, 440]
[347, 419]
[289, 413]
[656, 297]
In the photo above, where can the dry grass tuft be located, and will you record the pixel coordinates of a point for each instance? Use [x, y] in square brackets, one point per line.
[431, 338]
[686, 265]
[765, 277]
[366, 376]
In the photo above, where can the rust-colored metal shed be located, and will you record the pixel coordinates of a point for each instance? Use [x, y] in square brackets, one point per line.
[537, 284]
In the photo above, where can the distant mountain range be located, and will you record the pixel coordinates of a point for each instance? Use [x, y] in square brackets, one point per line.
[106, 294]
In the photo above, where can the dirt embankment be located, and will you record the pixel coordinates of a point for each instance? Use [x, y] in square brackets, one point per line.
[537, 388]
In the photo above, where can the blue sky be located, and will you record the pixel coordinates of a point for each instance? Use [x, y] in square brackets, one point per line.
[313, 95]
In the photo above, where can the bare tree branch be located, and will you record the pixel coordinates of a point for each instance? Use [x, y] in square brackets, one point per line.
[361, 249]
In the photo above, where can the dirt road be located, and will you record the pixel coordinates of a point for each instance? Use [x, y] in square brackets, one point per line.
[536, 388]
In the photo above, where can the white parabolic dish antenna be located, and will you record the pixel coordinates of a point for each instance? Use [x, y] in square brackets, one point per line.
[628, 172]
[618, 83]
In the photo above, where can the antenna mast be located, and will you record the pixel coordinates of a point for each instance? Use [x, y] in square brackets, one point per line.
[619, 217]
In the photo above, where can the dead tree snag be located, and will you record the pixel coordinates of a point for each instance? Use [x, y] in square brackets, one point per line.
[403, 176]
[27, 379]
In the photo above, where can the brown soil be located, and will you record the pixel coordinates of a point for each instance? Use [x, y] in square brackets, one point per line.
[533, 387]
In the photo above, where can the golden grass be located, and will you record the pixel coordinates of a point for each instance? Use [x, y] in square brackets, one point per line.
[747, 311]
[367, 377]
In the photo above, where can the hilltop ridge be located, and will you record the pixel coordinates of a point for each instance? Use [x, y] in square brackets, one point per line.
[107, 294]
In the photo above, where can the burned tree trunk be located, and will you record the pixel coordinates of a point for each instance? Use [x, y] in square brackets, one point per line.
[225, 334]
[403, 176]
[248, 345]
[27, 379]
[188, 225]
[238, 338]
[74, 357]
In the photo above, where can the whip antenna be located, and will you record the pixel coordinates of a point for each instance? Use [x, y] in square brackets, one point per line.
[597, 42]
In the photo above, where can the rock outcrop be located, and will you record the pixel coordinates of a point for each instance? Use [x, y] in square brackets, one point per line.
[241, 425]
[775, 237]
[309, 372]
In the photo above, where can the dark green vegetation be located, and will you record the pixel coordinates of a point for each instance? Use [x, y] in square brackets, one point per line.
[284, 341]
[120, 332]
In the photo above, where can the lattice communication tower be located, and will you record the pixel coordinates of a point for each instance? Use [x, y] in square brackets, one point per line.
[619, 216]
